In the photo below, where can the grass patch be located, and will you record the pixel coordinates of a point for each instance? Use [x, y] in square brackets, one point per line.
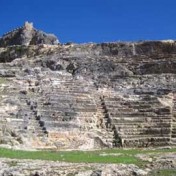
[164, 172]
[126, 156]
[67, 156]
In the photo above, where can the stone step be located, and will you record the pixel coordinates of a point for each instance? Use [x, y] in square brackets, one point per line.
[65, 101]
[139, 123]
[16, 122]
[72, 109]
[138, 126]
[60, 125]
[129, 105]
[9, 117]
[58, 118]
[143, 141]
[66, 95]
[173, 135]
[33, 125]
[144, 129]
[173, 130]
[118, 105]
[156, 117]
[100, 107]
[62, 98]
[126, 120]
[35, 130]
[34, 121]
[131, 110]
[73, 106]
[120, 110]
[138, 120]
[137, 100]
[49, 112]
[144, 133]
[173, 140]
[137, 114]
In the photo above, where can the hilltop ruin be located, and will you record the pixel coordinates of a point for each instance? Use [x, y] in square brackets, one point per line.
[27, 35]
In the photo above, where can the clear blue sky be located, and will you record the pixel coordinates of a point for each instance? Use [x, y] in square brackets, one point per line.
[93, 20]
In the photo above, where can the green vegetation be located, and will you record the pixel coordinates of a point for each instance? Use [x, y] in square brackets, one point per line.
[125, 156]
[99, 156]
[164, 172]
[69, 156]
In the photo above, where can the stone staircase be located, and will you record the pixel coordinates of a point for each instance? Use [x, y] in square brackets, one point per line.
[31, 125]
[106, 131]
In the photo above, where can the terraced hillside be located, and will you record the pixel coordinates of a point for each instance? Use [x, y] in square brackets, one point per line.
[87, 96]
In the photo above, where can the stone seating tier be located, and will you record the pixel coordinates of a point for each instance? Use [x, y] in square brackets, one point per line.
[57, 118]
[145, 132]
[50, 112]
[66, 95]
[126, 120]
[142, 125]
[61, 109]
[60, 115]
[59, 126]
[146, 142]
[67, 105]
[136, 114]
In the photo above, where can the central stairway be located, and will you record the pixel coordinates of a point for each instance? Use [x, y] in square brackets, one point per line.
[105, 129]
[30, 126]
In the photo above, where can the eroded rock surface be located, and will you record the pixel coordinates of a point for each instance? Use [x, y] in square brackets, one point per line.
[88, 96]
[45, 168]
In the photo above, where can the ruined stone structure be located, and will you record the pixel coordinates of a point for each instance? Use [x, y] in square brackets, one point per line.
[27, 35]
[87, 96]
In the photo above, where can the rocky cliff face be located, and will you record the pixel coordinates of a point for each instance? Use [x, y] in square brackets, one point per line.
[88, 96]
[27, 35]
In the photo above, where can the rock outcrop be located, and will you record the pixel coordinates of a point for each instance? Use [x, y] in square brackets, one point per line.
[49, 168]
[91, 95]
[27, 35]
